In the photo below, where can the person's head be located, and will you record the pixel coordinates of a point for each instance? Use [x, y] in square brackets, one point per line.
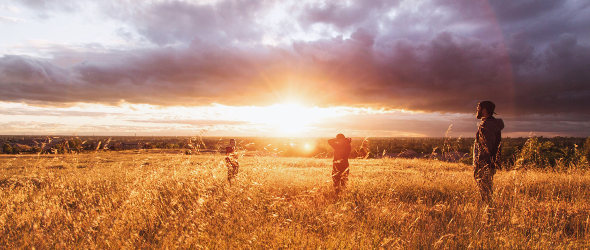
[232, 142]
[485, 109]
[340, 137]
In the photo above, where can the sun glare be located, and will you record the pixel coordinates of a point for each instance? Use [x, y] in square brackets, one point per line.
[288, 118]
[294, 118]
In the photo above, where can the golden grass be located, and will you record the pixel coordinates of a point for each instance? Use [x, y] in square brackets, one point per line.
[108, 200]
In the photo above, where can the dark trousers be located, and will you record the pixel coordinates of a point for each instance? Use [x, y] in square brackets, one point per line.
[232, 167]
[340, 175]
[484, 176]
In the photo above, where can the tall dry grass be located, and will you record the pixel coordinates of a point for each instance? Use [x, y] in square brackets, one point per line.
[108, 200]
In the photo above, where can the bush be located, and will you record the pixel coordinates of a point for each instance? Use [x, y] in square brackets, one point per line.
[538, 154]
[530, 154]
[6, 148]
[586, 148]
[579, 159]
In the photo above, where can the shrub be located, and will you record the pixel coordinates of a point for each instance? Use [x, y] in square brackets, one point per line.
[530, 154]
[586, 148]
[538, 154]
[6, 148]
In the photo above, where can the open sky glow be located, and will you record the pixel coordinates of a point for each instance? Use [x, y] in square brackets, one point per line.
[293, 68]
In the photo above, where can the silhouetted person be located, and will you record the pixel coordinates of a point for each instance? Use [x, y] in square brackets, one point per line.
[340, 168]
[487, 149]
[231, 160]
[363, 151]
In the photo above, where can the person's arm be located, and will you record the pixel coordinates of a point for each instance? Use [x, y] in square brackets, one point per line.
[347, 146]
[332, 142]
[498, 156]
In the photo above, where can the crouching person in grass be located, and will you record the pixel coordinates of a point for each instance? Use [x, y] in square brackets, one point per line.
[231, 160]
[487, 151]
[340, 165]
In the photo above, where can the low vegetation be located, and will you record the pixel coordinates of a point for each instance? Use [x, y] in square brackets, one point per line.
[559, 153]
[123, 199]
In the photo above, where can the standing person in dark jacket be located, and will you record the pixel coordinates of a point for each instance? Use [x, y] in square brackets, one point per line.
[487, 149]
[340, 165]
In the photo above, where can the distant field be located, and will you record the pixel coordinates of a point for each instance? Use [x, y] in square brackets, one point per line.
[122, 199]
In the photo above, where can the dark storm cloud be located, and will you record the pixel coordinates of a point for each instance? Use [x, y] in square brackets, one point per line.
[542, 21]
[528, 56]
[445, 74]
[25, 78]
[507, 10]
[176, 21]
[163, 76]
[343, 15]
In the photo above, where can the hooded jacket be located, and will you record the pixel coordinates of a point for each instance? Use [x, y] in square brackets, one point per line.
[342, 150]
[487, 148]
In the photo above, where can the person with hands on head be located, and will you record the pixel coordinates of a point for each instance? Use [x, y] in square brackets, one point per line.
[340, 166]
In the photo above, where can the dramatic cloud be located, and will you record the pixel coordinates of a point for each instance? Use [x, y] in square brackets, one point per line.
[531, 57]
[177, 21]
[446, 73]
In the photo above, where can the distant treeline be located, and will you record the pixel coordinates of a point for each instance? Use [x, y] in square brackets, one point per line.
[537, 152]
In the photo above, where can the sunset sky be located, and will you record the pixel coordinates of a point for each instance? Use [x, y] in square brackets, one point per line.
[293, 68]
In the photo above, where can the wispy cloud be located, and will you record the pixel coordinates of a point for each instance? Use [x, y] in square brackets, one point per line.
[6, 19]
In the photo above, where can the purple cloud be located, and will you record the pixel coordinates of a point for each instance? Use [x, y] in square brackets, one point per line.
[530, 57]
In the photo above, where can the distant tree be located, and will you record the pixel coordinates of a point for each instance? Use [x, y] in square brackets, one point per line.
[530, 153]
[538, 154]
[579, 160]
[35, 149]
[6, 148]
[116, 146]
[75, 145]
[586, 149]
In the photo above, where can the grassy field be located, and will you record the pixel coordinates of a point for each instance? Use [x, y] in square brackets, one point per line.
[106, 200]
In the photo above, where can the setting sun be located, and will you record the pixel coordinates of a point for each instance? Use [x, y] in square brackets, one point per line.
[290, 118]
[287, 119]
